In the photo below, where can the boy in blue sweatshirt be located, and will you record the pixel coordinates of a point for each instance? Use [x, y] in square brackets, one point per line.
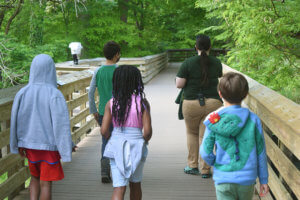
[236, 133]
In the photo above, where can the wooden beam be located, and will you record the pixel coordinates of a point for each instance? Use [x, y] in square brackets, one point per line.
[77, 118]
[12, 183]
[78, 101]
[8, 161]
[276, 186]
[82, 130]
[4, 138]
[286, 168]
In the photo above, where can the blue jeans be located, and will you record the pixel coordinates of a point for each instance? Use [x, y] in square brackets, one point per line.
[104, 141]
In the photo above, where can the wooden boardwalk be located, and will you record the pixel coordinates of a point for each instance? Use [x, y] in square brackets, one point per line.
[163, 174]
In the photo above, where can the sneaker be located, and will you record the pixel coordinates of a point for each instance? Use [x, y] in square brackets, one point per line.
[105, 171]
[206, 175]
[189, 170]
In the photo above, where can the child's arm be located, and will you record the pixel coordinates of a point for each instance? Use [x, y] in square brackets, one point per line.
[106, 122]
[14, 125]
[262, 159]
[61, 127]
[207, 147]
[92, 104]
[147, 122]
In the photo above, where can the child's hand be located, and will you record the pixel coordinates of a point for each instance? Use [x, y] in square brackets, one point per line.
[22, 152]
[97, 117]
[74, 148]
[264, 189]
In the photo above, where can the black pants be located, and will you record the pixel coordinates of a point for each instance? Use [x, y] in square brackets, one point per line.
[75, 59]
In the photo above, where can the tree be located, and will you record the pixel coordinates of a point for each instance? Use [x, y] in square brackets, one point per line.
[261, 36]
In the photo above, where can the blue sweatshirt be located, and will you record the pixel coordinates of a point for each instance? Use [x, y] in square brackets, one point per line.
[39, 116]
[239, 144]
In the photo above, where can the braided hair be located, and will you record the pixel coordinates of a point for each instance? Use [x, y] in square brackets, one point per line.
[203, 44]
[127, 81]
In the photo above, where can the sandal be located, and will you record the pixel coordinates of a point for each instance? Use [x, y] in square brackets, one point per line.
[206, 175]
[189, 170]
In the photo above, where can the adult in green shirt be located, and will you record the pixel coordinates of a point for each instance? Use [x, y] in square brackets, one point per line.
[198, 77]
[102, 80]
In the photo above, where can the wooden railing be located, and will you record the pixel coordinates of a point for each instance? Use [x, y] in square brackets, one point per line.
[179, 55]
[148, 65]
[74, 86]
[281, 124]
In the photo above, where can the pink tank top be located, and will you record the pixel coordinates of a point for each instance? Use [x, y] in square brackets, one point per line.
[133, 120]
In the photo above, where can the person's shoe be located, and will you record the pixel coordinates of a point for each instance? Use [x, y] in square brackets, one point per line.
[105, 171]
[206, 175]
[189, 170]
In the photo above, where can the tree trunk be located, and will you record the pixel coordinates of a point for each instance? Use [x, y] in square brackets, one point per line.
[123, 7]
[17, 11]
[2, 14]
[139, 20]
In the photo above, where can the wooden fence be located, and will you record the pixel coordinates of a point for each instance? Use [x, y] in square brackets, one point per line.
[179, 55]
[74, 87]
[148, 65]
[281, 124]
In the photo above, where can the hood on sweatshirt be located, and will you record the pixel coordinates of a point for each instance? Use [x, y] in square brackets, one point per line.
[42, 70]
[228, 121]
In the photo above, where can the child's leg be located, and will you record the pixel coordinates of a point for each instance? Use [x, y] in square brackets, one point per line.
[46, 187]
[135, 191]
[118, 193]
[245, 192]
[34, 188]
[226, 191]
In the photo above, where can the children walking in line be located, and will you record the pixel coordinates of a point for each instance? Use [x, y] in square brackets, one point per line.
[40, 127]
[102, 80]
[236, 133]
[129, 112]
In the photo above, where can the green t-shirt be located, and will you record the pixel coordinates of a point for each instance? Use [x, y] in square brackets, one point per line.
[104, 85]
[191, 70]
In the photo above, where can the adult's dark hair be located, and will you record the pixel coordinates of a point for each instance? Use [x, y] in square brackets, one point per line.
[127, 80]
[233, 87]
[203, 44]
[110, 49]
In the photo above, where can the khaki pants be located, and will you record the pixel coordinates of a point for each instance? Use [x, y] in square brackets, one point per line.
[194, 115]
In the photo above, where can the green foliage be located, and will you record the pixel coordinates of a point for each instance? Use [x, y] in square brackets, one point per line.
[262, 38]
[262, 35]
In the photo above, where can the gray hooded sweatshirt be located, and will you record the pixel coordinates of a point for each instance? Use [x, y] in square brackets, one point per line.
[39, 116]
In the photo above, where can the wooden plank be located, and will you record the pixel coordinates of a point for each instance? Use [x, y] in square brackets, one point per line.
[280, 114]
[286, 168]
[82, 130]
[9, 161]
[276, 186]
[78, 101]
[5, 111]
[74, 86]
[4, 138]
[80, 68]
[14, 182]
[77, 118]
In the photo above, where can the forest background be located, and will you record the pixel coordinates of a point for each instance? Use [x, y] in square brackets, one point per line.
[262, 36]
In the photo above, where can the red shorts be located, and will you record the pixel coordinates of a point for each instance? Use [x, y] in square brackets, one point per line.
[46, 172]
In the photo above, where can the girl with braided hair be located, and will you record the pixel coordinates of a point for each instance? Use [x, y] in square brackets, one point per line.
[129, 112]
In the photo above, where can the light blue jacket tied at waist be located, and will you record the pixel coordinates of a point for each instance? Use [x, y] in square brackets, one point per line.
[39, 116]
[128, 148]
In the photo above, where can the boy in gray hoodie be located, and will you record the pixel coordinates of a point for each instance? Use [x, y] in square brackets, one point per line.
[40, 127]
